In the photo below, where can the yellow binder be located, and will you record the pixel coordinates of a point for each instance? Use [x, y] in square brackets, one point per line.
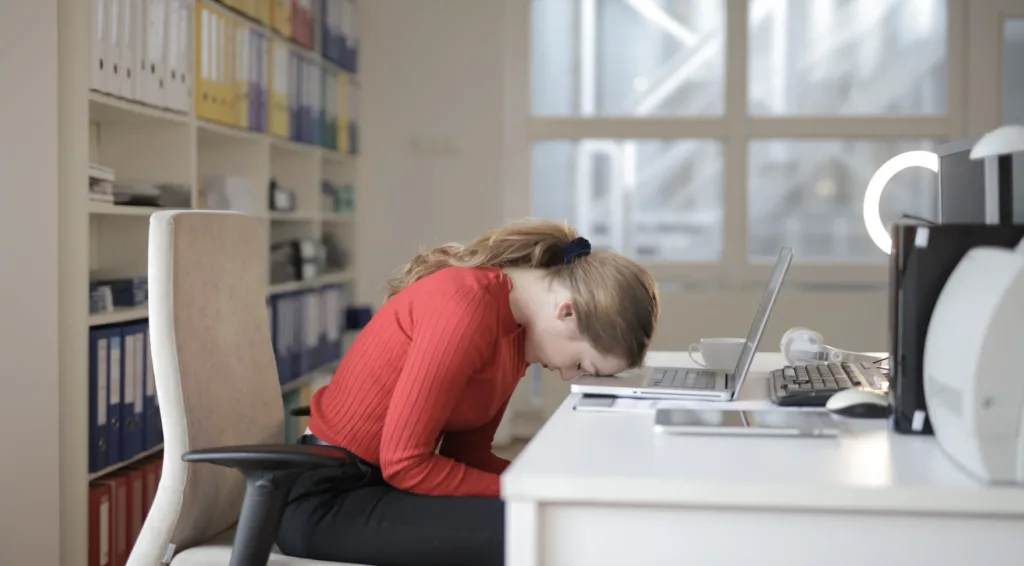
[244, 45]
[214, 51]
[279, 121]
[225, 46]
[281, 16]
[261, 11]
[206, 90]
[246, 7]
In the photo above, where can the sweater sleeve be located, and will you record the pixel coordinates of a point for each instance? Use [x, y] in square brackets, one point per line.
[452, 336]
[473, 447]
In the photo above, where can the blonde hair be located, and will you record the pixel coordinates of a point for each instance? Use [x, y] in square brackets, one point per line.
[615, 300]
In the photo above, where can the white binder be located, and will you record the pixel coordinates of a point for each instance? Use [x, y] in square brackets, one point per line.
[351, 24]
[185, 64]
[113, 21]
[154, 47]
[342, 11]
[99, 37]
[178, 70]
[130, 26]
[172, 54]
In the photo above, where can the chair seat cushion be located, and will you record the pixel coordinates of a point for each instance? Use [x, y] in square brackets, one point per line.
[217, 552]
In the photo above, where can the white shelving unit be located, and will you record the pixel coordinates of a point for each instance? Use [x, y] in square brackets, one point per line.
[148, 144]
[193, 150]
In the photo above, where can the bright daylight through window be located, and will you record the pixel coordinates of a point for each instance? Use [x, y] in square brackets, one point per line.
[663, 199]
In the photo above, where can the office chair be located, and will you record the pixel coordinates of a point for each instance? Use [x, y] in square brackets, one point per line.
[226, 470]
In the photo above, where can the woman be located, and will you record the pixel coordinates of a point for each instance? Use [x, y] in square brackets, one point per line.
[416, 401]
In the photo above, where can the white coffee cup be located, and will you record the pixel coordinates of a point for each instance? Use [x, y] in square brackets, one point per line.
[717, 353]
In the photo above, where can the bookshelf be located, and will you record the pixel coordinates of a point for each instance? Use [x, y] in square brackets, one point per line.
[260, 117]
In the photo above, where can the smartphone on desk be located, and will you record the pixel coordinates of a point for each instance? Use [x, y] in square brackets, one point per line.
[737, 422]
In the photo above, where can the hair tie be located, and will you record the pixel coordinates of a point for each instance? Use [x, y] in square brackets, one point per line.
[575, 249]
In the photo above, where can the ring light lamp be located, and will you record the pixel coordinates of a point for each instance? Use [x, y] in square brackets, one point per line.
[873, 195]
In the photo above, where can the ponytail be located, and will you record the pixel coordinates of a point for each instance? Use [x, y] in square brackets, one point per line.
[527, 243]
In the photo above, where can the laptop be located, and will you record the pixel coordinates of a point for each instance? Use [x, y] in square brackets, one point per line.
[694, 383]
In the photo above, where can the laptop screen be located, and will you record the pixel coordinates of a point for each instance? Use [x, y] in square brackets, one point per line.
[761, 318]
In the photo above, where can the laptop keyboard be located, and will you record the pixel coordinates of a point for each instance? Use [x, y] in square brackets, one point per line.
[683, 378]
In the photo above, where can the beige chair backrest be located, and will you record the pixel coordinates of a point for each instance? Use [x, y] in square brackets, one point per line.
[213, 362]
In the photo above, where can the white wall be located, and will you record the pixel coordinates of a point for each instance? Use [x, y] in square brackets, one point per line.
[431, 108]
[431, 170]
[29, 416]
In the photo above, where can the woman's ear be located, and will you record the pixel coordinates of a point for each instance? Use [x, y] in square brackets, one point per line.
[565, 310]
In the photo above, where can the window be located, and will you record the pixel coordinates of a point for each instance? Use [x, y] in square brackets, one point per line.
[847, 58]
[808, 194]
[628, 57]
[1013, 99]
[685, 132]
[654, 199]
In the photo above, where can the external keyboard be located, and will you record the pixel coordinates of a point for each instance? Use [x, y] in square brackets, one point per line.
[812, 385]
[683, 378]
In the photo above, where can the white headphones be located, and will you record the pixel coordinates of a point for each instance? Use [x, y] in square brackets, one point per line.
[804, 346]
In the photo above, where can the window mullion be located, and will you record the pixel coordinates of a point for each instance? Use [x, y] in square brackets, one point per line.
[956, 59]
[734, 256]
[541, 128]
[827, 127]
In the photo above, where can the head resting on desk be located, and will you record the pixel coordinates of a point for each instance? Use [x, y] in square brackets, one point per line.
[583, 310]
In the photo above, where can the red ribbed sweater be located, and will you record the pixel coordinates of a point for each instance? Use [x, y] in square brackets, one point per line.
[436, 364]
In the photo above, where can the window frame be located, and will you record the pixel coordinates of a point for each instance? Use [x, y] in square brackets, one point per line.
[734, 129]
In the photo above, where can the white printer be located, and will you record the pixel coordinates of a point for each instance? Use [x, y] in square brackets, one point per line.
[974, 364]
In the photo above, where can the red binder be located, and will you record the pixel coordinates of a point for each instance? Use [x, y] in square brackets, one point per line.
[136, 504]
[100, 531]
[118, 485]
[302, 24]
[150, 475]
[158, 464]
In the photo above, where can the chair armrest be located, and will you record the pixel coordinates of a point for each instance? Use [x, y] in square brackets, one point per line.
[300, 411]
[269, 457]
[270, 471]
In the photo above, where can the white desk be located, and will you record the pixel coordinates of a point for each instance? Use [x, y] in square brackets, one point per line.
[595, 489]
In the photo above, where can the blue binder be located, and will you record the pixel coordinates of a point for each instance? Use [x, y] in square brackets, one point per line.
[115, 396]
[305, 98]
[295, 335]
[348, 50]
[133, 391]
[314, 90]
[328, 36]
[295, 95]
[99, 376]
[324, 319]
[304, 335]
[280, 338]
[301, 356]
[153, 430]
[256, 50]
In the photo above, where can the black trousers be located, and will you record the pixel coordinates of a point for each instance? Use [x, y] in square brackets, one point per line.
[351, 514]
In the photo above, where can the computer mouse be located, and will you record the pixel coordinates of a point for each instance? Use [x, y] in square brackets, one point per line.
[859, 403]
